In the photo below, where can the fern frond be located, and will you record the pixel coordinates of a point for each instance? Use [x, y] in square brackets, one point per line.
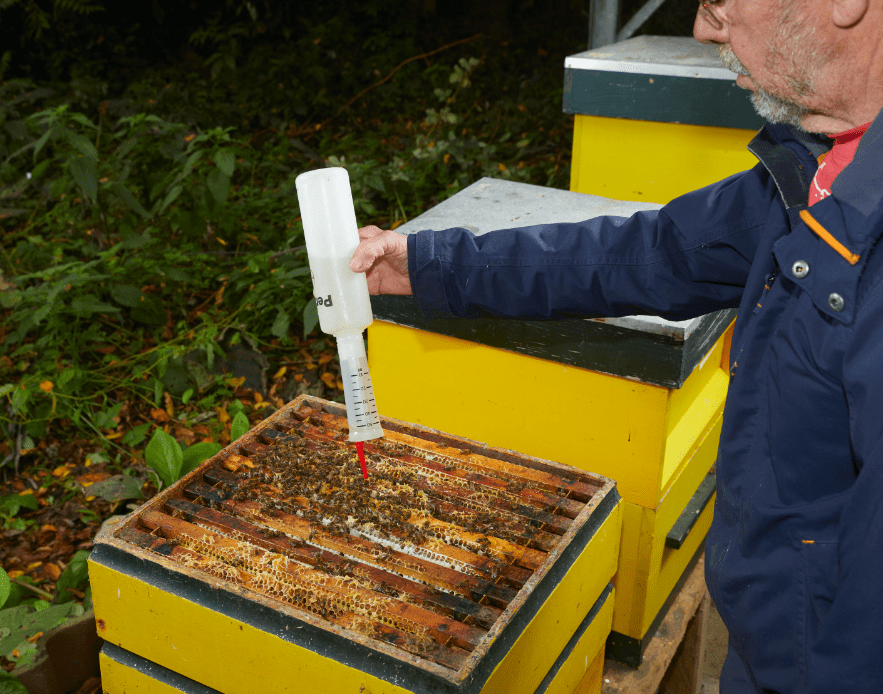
[81, 7]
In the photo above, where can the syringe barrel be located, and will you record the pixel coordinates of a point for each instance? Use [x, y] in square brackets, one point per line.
[361, 410]
[332, 235]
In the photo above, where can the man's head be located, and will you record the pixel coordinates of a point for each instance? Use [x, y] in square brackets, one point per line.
[801, 58]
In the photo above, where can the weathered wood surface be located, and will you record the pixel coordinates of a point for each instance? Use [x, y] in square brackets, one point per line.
[673, 659]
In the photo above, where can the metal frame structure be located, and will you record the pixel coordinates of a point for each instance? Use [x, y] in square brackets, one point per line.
[604, 18]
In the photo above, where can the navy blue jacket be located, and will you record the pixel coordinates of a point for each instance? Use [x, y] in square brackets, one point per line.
[795, 553]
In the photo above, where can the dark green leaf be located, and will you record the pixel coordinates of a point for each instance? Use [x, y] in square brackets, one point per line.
[164, 456]
[117, 488]
[225, 161]
[74, 576]
[82, 144]
[126, 147]
[80, 118]
[104, 419]
[136, 435]
[86, 175]
[5, 586]
[65, 376]
[310, 317]
[9, 684]
[239, 426]
[132, 240]
[170, 197]
[44, 138]
[281, 324]
[196, 454]
[20, 397]
[88, 304]
[126, 196]
[150, 311]
[10, 298]
[11, 504]
[127, 294]
[218, 184]
[23, 623]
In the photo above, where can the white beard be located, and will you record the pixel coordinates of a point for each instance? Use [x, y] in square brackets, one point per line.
[774, 109]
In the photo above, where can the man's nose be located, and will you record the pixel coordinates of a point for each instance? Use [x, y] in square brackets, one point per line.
[707, 30]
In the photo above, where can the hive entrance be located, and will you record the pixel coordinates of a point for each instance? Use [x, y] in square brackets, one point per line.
[425, 555]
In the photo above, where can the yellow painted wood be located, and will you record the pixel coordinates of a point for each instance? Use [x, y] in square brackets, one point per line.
[692, 408]
[541, 642]
[647, 570]
[117, 678]
[638, 434]
[211, 648]
[591, 682]
[229, 655]
[579, 670]
[653, 162]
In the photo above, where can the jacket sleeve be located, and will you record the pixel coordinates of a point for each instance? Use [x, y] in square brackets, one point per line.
[687, 259]
[847, 655]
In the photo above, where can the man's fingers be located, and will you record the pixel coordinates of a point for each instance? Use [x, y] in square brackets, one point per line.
[369, 232]
[375, 244]
[365, 255]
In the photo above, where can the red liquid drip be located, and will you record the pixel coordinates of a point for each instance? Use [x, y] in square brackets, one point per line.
[360, 447]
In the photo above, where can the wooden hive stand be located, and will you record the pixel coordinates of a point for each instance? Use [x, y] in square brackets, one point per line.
[673, 659]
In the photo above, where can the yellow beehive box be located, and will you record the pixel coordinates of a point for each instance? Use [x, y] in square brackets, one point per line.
[658, 443]
[454, 568]
[656, 117]
[578, 669]
[657, 550]
[640, 434]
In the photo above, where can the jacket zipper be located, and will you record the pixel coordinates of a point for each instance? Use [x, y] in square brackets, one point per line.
[766, 290]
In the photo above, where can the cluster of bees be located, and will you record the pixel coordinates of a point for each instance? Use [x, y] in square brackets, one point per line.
[403, 505]
[319, 480]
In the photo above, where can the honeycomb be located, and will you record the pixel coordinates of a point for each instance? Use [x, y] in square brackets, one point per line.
[425, 555]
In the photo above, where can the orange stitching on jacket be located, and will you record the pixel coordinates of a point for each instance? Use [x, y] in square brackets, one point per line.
[826, 236]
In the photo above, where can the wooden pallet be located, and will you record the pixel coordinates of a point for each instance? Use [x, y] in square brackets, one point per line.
[673, 659]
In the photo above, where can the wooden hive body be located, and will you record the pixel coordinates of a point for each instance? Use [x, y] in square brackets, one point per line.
[454, 568]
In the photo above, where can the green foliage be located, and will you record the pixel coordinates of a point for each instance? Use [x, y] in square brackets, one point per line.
[147, 214]
[74, 576]
[20, 624]
[12, 503]
[118, 488]
[145, 230]
[239, 426]
[23, 621]
[9, 684]
[5, 586]
[38, 19]
[171, 461]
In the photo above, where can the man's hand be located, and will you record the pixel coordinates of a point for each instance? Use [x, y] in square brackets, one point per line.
[383, 256]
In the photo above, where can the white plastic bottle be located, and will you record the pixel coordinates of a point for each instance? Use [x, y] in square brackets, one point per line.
[342, 299]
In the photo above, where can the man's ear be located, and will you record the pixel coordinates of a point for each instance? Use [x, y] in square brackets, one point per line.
[848, 13]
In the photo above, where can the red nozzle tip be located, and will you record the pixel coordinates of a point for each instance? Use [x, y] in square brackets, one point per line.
[360, 447]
